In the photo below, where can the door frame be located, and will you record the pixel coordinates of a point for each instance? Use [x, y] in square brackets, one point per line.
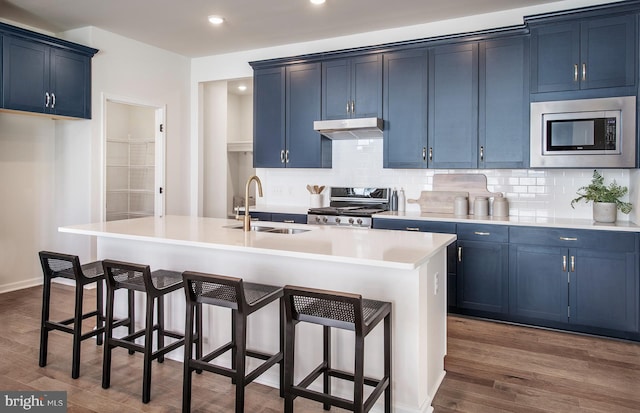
[160, 150]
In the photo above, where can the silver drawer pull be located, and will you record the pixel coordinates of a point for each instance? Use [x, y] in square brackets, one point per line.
[289, 221]
[412, 229]
[482, 233]
[568, 238]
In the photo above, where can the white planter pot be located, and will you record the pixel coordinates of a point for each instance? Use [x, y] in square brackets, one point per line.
[605, 211]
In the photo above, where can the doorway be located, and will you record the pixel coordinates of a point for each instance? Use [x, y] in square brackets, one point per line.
[134, 160]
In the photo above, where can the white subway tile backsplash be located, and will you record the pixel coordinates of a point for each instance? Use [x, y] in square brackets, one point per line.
[531, 192]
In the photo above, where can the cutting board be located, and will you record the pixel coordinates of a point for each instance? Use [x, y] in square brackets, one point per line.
[474, 184]
[440, 202]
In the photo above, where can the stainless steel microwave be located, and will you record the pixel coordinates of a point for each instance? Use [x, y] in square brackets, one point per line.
[584, 133]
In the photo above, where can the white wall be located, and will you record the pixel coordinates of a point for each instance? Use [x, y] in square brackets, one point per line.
[51, 171]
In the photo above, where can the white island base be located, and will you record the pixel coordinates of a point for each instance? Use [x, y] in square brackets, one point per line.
[405, 268]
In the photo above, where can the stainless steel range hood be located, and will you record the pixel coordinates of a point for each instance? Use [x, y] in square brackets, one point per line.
[357, 128]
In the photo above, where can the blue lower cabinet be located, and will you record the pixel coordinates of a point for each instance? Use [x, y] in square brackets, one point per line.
[582, 288]
[289, 218]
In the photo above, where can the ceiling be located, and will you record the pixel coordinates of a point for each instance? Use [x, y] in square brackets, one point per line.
[182, 26]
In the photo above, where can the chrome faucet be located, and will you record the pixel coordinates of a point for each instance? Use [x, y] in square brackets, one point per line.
[247, 217]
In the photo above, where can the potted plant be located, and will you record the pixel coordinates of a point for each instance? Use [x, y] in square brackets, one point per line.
[606, 199]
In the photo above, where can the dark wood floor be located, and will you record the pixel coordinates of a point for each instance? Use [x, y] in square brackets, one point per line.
[490, 367]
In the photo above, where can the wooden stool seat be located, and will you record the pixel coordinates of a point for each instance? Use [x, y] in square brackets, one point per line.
[333, 309]
[243, 298]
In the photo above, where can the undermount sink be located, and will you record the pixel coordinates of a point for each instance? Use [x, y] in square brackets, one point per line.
[273, 230]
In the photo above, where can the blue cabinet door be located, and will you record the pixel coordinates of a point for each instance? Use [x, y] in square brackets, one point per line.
[305, 148]
[70, 84]
[603, 289]
[453, 106]
[608, 52]
[538, 282]
[405, 109]
[483, 276]
[25, 73]
[352, 88]
[269, 118]
[588, 54]
[503, 135]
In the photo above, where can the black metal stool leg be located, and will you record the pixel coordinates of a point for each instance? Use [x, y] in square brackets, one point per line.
[282, 327]
[148, 349]
[387, 362]
[198, 332]
[44, 330]
[241, 347]
[289, 354]
[188, 355]
[234, 348]
[326, 354]
[358, 375]
[160, 306]
[77, 331]
[131, 309]
[99, 310]
[108, 333]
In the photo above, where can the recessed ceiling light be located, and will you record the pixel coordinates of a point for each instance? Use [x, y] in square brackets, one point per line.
[216, 20]
[317, 1]
[242, 88]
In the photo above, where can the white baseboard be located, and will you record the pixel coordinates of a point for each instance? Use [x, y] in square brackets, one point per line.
[5, 288]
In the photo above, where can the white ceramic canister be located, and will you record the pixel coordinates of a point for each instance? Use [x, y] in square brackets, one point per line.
[500, 207]
[461, 206]
[481, 206]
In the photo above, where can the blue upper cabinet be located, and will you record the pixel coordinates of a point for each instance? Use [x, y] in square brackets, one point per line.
[405, 109]
[305, 148]
[453, 106]
[42, 74]
[286, 101]
[503, 135]
[352, 88]
[269, 118]
[584, 54]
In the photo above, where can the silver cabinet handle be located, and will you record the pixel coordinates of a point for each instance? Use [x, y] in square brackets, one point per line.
[347, 107]
[282, 156]
[575, 73]
[459, 254]
[47, 99]
[53, 100]
[482, 153]
[412, 229]
[424, 153]
[573, 263]
[584, 71]
[482, 233]
[286, 156]
[353, 107]
[431, 154]
[564, 263]
[568, 238]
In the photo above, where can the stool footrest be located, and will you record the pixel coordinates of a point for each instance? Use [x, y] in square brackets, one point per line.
[322, 398]
[344, 375]
[273, 360]
[217, 352]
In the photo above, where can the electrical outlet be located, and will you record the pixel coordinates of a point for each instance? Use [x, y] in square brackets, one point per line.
[436, 283]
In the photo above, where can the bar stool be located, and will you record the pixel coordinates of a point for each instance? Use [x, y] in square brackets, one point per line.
[68, 266]
[243, 298]
[333, 309]
[155, 285]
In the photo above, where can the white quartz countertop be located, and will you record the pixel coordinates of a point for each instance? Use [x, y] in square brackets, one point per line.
[392, 249]
[522, 221]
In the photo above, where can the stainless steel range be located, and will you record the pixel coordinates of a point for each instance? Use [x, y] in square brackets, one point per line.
[350, 206]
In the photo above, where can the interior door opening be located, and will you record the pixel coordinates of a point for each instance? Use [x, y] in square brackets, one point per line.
[134, 160]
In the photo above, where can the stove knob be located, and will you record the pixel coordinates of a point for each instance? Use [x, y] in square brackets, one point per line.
[317, 220]
[351, 221]
[359, 221]
[337, 220]
[324, 220]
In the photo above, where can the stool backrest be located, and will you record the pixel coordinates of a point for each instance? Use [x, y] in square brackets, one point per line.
[55, 264]
[214, 289]
[127, 275]
[329, 308]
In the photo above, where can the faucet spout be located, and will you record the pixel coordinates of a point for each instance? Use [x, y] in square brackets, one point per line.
[247, 217]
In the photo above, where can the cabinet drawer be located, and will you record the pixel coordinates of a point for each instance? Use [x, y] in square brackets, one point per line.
[414, 225]
[482, 232]
[575, 238]
[289, 218]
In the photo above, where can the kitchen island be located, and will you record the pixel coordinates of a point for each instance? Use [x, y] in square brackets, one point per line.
[405, 268]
